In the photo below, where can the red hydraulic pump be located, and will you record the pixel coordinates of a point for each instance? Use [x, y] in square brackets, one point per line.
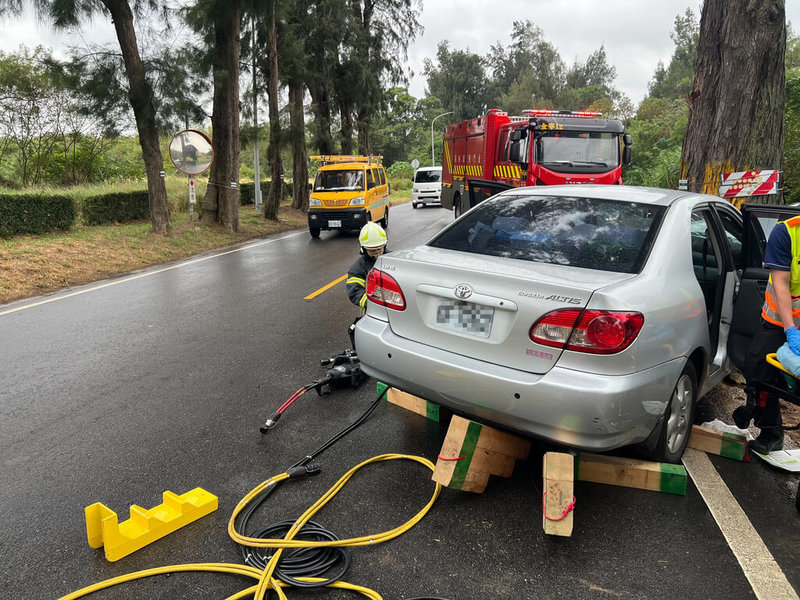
[495, 151]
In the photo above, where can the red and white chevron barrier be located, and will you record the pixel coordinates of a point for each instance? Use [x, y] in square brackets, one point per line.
[749, 183]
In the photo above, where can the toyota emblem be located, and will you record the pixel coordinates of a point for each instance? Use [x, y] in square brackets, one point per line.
[463, 291]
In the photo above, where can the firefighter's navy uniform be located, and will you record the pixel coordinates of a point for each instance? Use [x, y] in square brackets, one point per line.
[372, 239]
[357, 280]
[782, 254]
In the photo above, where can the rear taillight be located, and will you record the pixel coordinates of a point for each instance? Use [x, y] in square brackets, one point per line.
[384, 290]
[592, 331]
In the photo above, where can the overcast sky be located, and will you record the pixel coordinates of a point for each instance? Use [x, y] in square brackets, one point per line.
[635, 33]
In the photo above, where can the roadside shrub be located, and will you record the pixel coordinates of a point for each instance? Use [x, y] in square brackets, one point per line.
[22, 214]
[117, 207]
[400, 170]
[247, 191]
[400, 184]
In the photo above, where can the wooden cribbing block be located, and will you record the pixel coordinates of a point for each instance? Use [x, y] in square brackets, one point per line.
[471, 452]
[658, 477]
[558, 469]
[729, 445]
[429, 410]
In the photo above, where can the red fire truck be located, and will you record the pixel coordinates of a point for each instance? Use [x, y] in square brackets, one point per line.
[493, 152]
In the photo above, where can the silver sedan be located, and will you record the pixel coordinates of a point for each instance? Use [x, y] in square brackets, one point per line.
[590, 316]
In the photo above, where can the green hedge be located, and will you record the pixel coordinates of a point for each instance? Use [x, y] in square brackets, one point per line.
[247, 191]
[118, 207]
[22, 214]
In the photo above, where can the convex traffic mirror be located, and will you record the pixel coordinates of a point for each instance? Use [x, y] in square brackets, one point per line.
[190, 151]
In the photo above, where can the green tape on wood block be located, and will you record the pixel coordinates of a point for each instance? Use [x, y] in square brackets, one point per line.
[673, 479]
[467, 451]
[733, 446]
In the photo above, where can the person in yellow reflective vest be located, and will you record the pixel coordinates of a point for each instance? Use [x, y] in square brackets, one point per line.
[779, 318]
[372, 241]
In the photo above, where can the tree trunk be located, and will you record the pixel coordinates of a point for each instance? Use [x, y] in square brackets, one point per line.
[737, 101]
[346, 111]
[140, 94]
[320, 104]
[221, 202]
[299, 156]
[274, 149]
[364, 118]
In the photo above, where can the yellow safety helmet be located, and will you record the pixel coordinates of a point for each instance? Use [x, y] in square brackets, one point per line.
[372, 235]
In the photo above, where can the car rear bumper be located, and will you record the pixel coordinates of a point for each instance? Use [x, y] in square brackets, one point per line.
[563, 406]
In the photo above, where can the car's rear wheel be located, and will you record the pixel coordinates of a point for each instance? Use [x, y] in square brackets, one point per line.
[678, 418]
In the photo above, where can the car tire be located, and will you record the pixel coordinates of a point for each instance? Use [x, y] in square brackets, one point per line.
[314, 231]
[678, 418]
[385, 220]
[457, 208]
[413, 205]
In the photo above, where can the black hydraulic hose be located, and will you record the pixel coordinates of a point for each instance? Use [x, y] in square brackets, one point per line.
[312, 557]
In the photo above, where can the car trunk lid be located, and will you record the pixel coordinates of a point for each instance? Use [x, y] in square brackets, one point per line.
[483, 306]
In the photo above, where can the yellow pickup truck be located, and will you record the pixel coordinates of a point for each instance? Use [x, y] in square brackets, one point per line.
[349, 191]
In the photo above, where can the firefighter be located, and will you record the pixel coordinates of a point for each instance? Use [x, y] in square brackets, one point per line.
[780, 316]
[372, 241]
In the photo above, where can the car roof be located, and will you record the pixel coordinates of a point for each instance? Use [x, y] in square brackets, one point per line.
[625, 193]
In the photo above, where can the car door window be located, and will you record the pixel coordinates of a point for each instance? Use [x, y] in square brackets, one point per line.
[370, 178]
[382, 175]
[734, 233]
[706, 260]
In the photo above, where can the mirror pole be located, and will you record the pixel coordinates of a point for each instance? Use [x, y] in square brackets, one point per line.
[257, 191]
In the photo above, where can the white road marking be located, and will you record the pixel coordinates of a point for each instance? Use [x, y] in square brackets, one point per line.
[764, 574]
[147, 274]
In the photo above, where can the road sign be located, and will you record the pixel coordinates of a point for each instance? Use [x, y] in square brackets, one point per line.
[415, 163]
[192, 193]
[749, 183]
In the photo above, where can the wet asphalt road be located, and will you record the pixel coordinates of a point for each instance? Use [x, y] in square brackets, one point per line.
[160, 381]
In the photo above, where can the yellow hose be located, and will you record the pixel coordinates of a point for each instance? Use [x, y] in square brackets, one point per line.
[265, 578]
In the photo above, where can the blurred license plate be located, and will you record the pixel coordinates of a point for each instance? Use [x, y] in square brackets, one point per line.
[465, 317]
[334, 223]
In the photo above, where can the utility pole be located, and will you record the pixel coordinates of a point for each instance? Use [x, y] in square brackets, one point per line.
[256, 168]
[433, 157]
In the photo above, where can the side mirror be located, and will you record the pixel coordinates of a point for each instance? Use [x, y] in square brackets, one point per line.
[513, 152]
[310, 187]
[626, 155]
[627, 139]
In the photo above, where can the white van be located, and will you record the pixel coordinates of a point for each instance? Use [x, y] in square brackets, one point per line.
[427, 186]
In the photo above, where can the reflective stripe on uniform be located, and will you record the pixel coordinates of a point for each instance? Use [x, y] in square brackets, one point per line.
[358, 280]
[769, 312]
[363, 301]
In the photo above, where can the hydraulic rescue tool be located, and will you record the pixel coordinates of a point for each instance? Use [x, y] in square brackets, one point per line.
[344, 370]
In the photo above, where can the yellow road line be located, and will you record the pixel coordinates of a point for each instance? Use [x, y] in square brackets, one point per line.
[324, 288]
[765, 576]
[435, 223]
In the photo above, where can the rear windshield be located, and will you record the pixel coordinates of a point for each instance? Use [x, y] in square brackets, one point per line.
[428, 176]
[580, 232]
[337, 181]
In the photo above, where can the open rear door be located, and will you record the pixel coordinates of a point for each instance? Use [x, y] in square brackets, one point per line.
[759, 219]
